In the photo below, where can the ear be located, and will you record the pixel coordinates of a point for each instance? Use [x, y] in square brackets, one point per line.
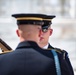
[17, 32]
[51, 30]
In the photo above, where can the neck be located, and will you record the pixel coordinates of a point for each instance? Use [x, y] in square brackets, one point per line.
[29, 39]
[46, 46]
[43, 44]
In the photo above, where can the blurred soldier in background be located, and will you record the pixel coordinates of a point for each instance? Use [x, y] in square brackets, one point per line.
[44, 43]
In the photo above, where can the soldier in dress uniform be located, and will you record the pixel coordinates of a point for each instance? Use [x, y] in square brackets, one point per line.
[47, 32]
[28, 58]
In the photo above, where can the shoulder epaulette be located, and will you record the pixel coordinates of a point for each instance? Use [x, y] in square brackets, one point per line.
[65, 54]
[61, 51]
[5, 52]
[56, 49]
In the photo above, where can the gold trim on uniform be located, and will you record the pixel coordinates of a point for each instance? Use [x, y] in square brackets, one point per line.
[57, 50]
[33, 18]
[47, 19]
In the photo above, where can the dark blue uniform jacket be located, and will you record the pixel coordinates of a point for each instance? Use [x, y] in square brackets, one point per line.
[66, 58]
[30, 59]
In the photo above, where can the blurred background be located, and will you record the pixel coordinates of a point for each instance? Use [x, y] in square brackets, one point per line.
[64, 25]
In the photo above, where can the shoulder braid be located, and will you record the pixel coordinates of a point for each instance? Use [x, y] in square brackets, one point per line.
[56, 49]
[61, 51]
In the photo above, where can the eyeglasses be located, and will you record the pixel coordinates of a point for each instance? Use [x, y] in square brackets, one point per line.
[44, 29]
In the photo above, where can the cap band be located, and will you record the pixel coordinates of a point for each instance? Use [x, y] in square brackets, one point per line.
[34, 22]
[33, 18]
[29, 18]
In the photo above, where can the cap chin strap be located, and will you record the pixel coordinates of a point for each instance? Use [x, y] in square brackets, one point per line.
[57, 64]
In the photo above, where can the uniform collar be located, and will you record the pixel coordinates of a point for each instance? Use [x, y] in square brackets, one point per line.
[32, 44]
[46, 47]
[50, 46]
[27, 44]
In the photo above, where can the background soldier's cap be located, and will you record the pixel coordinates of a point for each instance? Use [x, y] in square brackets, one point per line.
[36, 19]
[47, 22]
